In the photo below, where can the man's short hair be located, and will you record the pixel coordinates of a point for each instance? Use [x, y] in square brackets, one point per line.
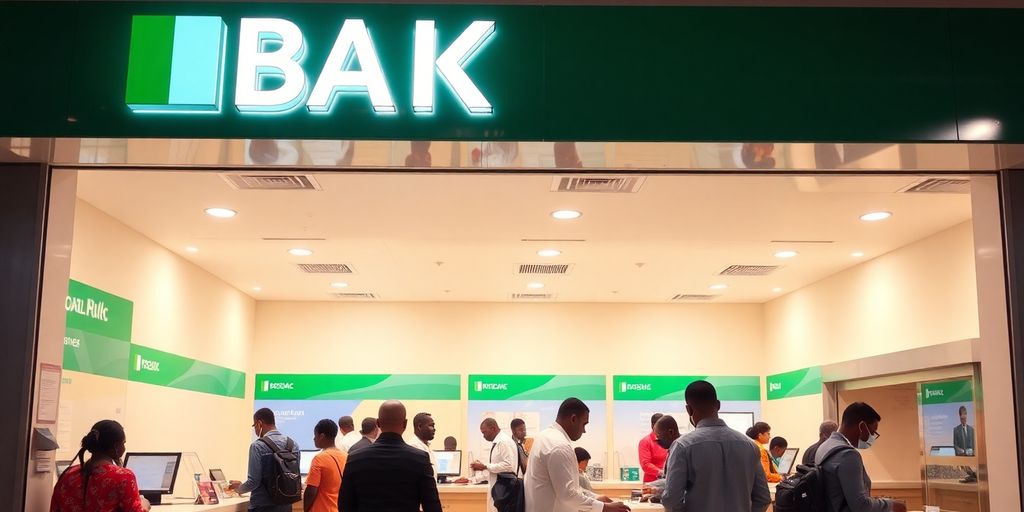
[581, 454]
[668, 423]
[516, 423]
[700, 393]
[368, 425]
[489, 423]
[420, 419]
[572, 406]
[654, 418]
[265, 415]
[327, 428]
[778, 442]
[827, 428]
[346, 423]
[963, 410]
[858, 412]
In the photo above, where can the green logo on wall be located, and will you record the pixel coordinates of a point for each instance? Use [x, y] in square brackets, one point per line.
[796, 383]
[536, 387]
[304, 386]
[666, 388]
[160, 368]
[947, 392]
[98, 330]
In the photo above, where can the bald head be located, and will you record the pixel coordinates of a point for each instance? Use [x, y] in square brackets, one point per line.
[391, 417]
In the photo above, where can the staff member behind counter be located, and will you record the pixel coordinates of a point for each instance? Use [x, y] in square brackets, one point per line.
[652, 456]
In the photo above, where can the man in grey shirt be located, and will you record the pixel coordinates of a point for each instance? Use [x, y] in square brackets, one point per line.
[714, 468]
[847, 486]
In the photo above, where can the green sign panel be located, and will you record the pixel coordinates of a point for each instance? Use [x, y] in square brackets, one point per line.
[95, 311]
[153, 366]
[536, 387]
[273, 386]
[796, 383]
[511, 72]
[672, 387]
[92, 353]
[947, 392]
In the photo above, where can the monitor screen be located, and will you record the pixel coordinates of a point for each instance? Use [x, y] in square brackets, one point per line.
[943, 451]
[155, 472]
[449, 462]
[306, 461]
[788, 461]
[217, 475]
[738, 421]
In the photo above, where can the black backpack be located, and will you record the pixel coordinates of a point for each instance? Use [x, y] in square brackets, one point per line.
[282, 481]
[509, 493]
[805, 491]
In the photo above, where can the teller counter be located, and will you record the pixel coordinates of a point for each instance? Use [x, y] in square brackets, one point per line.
[226, 505]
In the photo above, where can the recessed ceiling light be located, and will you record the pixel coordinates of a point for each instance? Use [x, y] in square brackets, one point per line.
[786, 254]
[875, 216]
[192, 248]
[549, 253]
[298, 251]
[566, 214]
[718, 286]
[776, 290]
[257, 288]
[221, 213]
[339, 284]
[535, 286]
[857, 254]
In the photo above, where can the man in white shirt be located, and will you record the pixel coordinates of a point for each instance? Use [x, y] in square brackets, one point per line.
[502, 456]
[553, 476]
[349, 436]
[424, 431]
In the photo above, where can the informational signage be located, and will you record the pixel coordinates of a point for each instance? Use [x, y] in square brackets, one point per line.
[672, 387]
[273, 386]
[160, 368]
[948, 392]
[98, 331]
[806, 381]
[948, 417]
[536, 387]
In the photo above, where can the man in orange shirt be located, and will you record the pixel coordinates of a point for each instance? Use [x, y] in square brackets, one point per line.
[324, 480]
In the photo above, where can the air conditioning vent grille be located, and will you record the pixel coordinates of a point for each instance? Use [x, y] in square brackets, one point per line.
[748, 270]
[325, 268]
[544, 269]
[693, 297]
[349, 295]
[941, 186]
[601, 184]
[271, 181]
[532, 296]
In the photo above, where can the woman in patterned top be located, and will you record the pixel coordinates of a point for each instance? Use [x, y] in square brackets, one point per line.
[99, 484]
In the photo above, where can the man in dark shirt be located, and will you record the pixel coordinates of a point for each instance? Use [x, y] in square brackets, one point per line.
[369, 431]
[389, 474]
[825, 431]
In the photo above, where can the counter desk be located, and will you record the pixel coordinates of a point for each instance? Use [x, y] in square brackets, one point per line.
[226, 505]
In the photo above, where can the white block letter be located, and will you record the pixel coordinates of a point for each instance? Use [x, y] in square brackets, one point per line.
[255, 63]
[423, 67]
[450, 65]
[353, 44]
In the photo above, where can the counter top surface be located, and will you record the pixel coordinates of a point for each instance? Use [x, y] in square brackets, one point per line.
[226, 505]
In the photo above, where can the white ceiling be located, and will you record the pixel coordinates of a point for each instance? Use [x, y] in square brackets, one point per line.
[458, 237]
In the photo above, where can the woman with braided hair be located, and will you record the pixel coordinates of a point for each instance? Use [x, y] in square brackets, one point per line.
[99, 484]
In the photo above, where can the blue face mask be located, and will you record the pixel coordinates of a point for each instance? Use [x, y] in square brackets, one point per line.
[864, 445]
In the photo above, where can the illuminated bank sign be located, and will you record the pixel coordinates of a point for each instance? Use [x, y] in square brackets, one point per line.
[176, 64]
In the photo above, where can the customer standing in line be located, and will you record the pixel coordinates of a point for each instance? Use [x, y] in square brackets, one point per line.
[389, 475]
[349, 436]
[424, 430]
[652, 456]
[667, 431]
[368, 429]
[99, 484]
[260, 459]
[846, 482]
[761, 434]
[323, 483]
[714, 468]
[825, 430]
[501, 456]
[552, 478]
[518, 427]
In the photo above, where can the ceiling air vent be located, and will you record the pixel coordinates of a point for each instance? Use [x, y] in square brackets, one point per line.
[325, 268]
[693, 297]
[355, 296]
[940, 186]
[271, 181]
[748, 270]
[544, 269]
[604, 184]
[532, 296]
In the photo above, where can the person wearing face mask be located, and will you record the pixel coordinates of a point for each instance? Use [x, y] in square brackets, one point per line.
[846, 483]
[713, 468]
[260, 459]
[666, 431]
[99, 484]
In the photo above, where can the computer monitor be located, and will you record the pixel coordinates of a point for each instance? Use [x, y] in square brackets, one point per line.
[217, 475]
[306, 461]
[943, 451]
[449, 462]
[738, 421]
[155, 472]
[788, 461]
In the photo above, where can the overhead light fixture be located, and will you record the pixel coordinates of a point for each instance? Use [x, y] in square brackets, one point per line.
[718, 286]
[776, 290]
[192, 248]
[548, 253]
[339, 284]
[857, 254]
[535, 286]
[298, 251]
[875, 216]
[566, 214]
[786, 254]
[257, 288]
[221, 213]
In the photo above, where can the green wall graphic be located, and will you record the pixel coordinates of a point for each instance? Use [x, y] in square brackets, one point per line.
[285, 386]
[803, 382]
[947, 392]
[672, 387]
[536, 387]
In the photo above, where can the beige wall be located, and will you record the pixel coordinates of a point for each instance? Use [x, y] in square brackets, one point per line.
[896, 456]
[921, 294]
[178, 308]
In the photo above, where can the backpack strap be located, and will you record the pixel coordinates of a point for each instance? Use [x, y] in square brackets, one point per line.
[273, 446]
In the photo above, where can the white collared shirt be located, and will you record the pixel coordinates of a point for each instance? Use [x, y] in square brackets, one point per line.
[348, 440]
[420, 444]
[502, 457]
[553, 476]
